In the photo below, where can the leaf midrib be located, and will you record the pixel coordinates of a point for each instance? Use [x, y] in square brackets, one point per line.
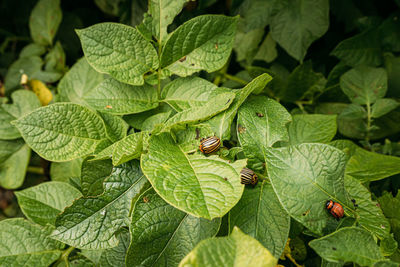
[31, 253]
[106, 206]
[172, 236]
[118, 52]
[59, 133]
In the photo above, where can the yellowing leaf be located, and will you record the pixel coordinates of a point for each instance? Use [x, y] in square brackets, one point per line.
[43, 93]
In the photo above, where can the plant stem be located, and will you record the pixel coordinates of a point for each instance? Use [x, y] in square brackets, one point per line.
[12, 39]
[369, 120]
[159, 70]
[236, 79]
[301, 107]
[64, 256]
[35, 170]
[222, 72]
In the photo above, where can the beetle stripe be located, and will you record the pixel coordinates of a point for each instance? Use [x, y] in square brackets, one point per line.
[210, 145]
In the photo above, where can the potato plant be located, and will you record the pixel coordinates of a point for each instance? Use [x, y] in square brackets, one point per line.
[104, 105]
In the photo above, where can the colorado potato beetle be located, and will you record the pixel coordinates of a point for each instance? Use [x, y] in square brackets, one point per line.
[335, 209]
[210, 144]
[247, 176]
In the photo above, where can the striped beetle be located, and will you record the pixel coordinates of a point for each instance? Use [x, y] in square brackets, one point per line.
[247, 176]
[210, 144]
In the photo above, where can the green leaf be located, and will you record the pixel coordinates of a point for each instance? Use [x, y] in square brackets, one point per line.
[55, 59]
[32, 67]
[42, 203]
[104, 151]
[360, 49]
[116, 127]
[370, 216]
[261, 123]
[62, 131]
[7, 130]
[25, 244]
[386, 263]
[118, 50]
[79, 81]
[389, 32]
[24, 102]
[221, 124]
[203, 186]
[202, 43]
[260, 215]
[352, 121]
[110, 7]
[117, 98]
[301, 83]
[234, 250]
[185, 93]
[246, 44]
[92, 221]
[390, 206]
[44, 21]
[258, 13]
[173, 233]
[13, 169]
[8, 148]
[93, 175]
[128, 148]
[32, 49]
[115, 257]
[312, 128]
[216, 105]
[64, 171]
[267, 51]
[155, 120]
[364, 85]
[348, 244]
[383, 106]
[318, 170]
[163, 13]
[298, 24]
[368, 166]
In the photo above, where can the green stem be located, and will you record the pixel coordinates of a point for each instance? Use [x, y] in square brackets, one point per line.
[236, 79]
[300, 105]
[159, 70]
[222, 72]
[64, 256]
[369, 121]
[11, 39]
[35, 170]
